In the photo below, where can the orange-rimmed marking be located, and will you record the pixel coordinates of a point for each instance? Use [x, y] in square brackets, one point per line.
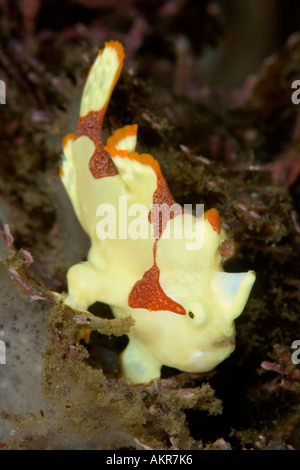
[120, 56]
[213, 218]
[147, 292]
[100, 164]
[144, 158]
[66, 139]
[120, 134]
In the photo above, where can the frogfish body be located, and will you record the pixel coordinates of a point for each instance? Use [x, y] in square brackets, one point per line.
[149, 257]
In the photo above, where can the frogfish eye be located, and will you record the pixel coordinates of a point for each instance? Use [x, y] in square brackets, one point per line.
[191, 315]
